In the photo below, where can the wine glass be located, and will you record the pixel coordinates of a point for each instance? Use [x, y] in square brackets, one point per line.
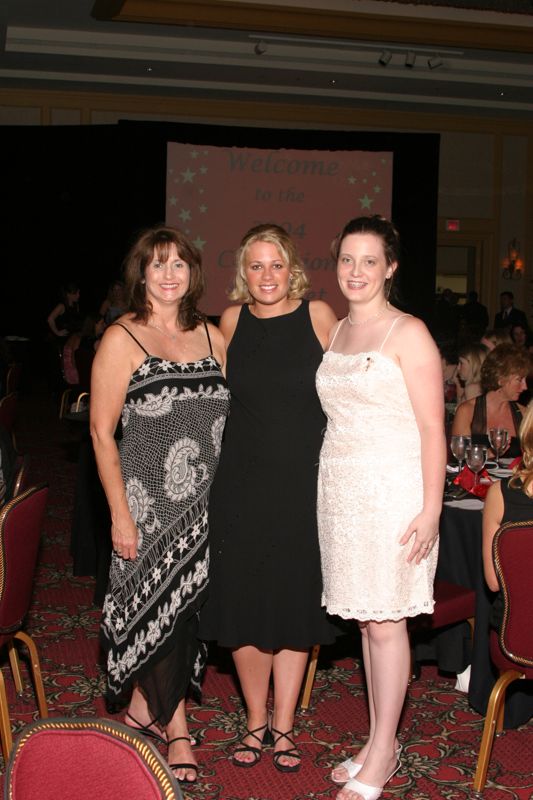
[476, 457]
[458, 445]
[498, 438]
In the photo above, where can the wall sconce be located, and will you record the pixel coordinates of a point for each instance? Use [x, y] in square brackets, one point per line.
[410, 59]
[512, 265]
[384, 58]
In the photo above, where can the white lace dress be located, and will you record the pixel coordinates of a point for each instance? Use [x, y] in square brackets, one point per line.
[369, 490]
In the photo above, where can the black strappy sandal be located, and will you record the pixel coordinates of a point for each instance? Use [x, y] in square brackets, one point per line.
[187, 765]
[257, 752]
[291, 752]
[145, 729]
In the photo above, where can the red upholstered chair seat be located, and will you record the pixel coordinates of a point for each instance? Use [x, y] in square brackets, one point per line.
[87, 759]
[453, 603]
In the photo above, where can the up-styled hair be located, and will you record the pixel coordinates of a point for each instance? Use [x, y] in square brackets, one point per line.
[379, 226]
[523, 473]
[475, 354]
[278, 236]
[158, 241]
[502, 362]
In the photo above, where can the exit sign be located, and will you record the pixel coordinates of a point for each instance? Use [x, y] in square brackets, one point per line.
[453, 225]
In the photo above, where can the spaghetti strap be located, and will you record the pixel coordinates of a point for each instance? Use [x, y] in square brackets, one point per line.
[208, 338]
[132, 336]
[394, 321]
[335, 334]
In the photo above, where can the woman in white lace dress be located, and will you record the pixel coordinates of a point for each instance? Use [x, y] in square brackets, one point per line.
[382, 468]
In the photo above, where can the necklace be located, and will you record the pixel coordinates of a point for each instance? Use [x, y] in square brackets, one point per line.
[368, 319]
[172, 336]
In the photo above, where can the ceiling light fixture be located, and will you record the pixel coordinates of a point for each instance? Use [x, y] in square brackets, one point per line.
[385, 57]
[410, 59]
[260, 48]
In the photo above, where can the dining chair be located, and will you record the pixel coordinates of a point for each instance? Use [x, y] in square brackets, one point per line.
[83, 758]
[452, 604]
[309, 679]
[21, 521]
[13, 377]
[511, 648]
[22, 475]
[8, 413]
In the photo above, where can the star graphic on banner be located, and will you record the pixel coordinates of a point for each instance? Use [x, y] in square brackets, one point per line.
[383, 160]
[172, 201]
[366, 201]
[377, 189]
[352, 180]
[203, 170]
[365, 180]
[188, 175]
[206, 152]
[203, 209]
[374, 173]
[201, 190]
[195, 154]
[199, 243]
[171, 171]
[184, 215]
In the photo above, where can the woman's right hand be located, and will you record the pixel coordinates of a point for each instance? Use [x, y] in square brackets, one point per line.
[124, 536]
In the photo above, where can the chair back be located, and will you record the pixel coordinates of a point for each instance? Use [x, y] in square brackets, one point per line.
[21, 521]
[22, 476]
[83, 358]
[8, 411]
[13, 378]
[512, 552]
[86, 758]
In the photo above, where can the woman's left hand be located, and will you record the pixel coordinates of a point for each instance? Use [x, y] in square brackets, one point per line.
[425, 529]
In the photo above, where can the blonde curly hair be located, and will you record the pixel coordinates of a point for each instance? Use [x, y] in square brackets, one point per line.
[278, 236]
[523, 472]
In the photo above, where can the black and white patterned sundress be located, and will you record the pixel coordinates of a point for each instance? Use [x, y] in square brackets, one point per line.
[172, 424]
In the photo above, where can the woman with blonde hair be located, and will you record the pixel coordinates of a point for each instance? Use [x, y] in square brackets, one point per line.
[265, 580]
[468, 375]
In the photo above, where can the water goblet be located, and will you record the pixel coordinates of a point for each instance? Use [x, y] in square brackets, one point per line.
[476, 457]
[498, 438]
[458, 445]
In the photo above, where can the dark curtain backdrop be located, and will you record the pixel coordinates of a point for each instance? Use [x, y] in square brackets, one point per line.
[77, 196]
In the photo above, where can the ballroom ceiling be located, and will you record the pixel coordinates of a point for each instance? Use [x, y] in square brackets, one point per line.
[470, 57]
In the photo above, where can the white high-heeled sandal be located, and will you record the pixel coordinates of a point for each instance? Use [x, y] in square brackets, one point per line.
[368, 792]
[353, 768]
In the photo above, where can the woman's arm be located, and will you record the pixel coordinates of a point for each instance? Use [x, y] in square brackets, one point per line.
[228, 323]
[492, 518]
[323, 319]
[51, 319]
[462, 421]
[421, 366]
[112, 368]
[219, 345]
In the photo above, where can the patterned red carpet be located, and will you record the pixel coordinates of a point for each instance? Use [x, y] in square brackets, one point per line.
[439, 731]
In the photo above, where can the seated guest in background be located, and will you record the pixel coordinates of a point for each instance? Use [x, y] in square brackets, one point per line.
[495, 336]
[521, 336]
[503, 379]
[509, 315]
[509, 500]
[115, 303]
[65, 317]
[88, 338]
[468, 375]
[448, 359]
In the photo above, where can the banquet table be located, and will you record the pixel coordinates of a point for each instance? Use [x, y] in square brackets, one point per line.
[460, 561]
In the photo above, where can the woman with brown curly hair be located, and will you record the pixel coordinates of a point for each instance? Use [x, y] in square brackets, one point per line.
[503, 379]
[158, 369]
[265, 579]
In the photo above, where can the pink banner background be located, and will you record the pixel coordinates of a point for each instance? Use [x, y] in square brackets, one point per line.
[215, 194]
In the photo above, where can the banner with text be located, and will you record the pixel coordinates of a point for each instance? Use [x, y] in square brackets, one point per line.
[215, 194]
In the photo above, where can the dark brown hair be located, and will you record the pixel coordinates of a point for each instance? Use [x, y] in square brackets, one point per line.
[157, 241]
[379, 226]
